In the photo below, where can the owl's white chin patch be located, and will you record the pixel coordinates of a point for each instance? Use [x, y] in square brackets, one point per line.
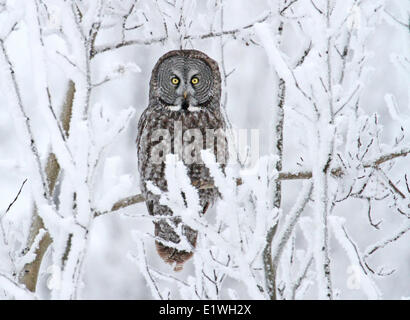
[174, 108]
[193, 108]
[190, 108]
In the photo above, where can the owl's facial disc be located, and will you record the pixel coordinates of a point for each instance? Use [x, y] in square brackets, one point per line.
[185, 91]
[185, 83]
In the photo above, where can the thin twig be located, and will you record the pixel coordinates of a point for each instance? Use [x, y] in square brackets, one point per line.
[161, 39]
[14, 289]
[387, 241]
[26, 120]
[17, 196]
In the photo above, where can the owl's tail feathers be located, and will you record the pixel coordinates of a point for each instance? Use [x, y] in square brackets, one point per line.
[166, 231]
[173, 256]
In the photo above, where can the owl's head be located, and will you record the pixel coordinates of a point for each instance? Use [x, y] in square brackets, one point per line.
[186, 80]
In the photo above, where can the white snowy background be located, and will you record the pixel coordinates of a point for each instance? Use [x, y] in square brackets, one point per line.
[249, 57]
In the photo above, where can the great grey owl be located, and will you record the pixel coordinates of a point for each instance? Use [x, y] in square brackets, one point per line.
[183, 110]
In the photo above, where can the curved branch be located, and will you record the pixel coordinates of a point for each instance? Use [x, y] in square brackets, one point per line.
[284, 175]
[338, 171]
[383, 243]
[123, 203]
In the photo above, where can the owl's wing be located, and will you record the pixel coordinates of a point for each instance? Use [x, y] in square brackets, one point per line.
[142, 123]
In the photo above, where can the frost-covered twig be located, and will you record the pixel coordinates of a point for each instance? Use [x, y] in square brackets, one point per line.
[338, 171]
[20, 114]
[3, 231]
[302, 275]
[123, 203]
[38, 177]
[290, 221]
[389, 240]
[31, 269]
[366, 283]
[141, 260]
[14, 290]
[400, 23]
[15, 198]
[231, 32]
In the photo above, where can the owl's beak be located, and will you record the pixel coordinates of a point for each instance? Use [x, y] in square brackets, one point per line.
[185, 102]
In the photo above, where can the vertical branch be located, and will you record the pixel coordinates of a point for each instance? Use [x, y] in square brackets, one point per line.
[77, 238]
[28, 276]
[290, 222]
[278, 139]
[30, 271]
[26, 125]
[271, 266]
[321, 172]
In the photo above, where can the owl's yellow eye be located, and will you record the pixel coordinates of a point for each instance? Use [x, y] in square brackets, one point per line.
[194, 80]
[174, 80]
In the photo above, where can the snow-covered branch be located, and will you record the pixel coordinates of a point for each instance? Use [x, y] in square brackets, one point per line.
[13, 290]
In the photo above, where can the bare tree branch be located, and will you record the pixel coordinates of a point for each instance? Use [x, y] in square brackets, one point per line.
[338, 171]
[16, 197]
[161, 39]
[402, 231]
[285, 231]
[401, 23]
[284, 175]
[26, 120]
[123, 203]
[14, 289]
[29, 274]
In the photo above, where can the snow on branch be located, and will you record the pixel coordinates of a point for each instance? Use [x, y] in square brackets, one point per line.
[238, 235]
[14, 290]
[161, 39]
[283, 175]
[387, 241]
[291, 220]
[20, 115]
[366, 283]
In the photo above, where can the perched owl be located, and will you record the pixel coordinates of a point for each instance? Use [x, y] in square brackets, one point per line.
[183, 116]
